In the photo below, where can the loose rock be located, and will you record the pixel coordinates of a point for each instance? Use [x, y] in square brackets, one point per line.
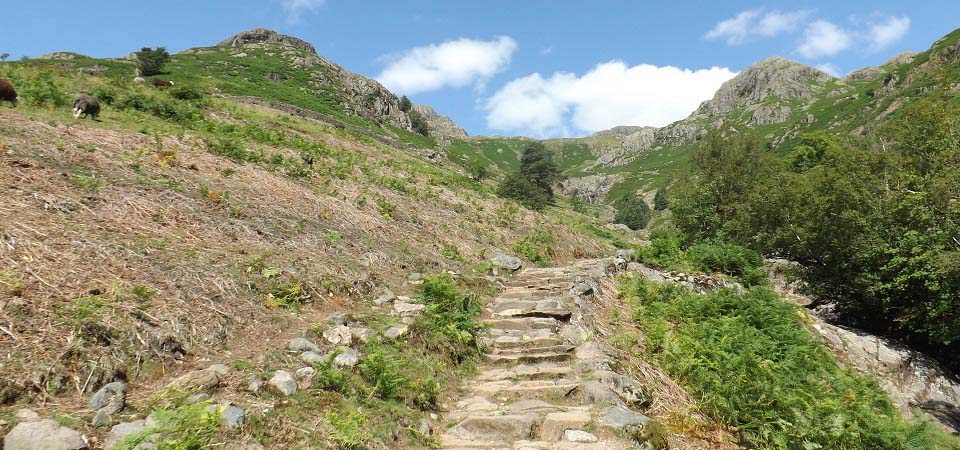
[395, 331]
[110, 399]
[43, 435]
[302, 345]
[502, 260]
[312, 357]
[348, 357]
[283, 383]
[579, 436]
[338, 335]
[232, 416]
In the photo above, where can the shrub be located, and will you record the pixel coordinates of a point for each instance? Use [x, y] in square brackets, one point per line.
[449, 324]
[516, 187]
[382, 371]
[189, 427]
[405, 104]
[162, 107]
[151, 61]
[187, 93]
[728, 259]
[106, 95]
[755, 367]
[477, 170]
[537, 247]
[633, 212]
[347, 430]
[42, 90]
[419, 124]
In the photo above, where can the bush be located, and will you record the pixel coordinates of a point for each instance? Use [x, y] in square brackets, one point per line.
[418, 123]
[449, 324]
[347, 430]
[162, 107]
[104, 94]
[728, 259]
[405, 104]
[537, 247]
[187, 93]
[477, 170]
[755, 367]
[42, 90]
[633, 212]
[382, 371]
[151, 61]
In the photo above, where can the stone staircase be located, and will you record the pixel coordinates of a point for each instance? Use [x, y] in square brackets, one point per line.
[546, 384]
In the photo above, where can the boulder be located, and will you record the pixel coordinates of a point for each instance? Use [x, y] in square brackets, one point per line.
[311, 357]
[502, 260]
[580, 436]
[201, 380]
[408, 309]
[283, 383]
[122, 430]
[395, 331]
[110, 399]
[338, 335]
[386, 297]
[302, 345]
[43, 435]
[220, 369]
[347, 357]
[621, 418]
[232, 416]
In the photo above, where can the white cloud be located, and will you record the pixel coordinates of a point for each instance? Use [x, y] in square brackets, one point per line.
[296, 8]
[610, 94]
[456, 63]
[757, 24]
[882, 34]
[829, 68]
[822, 38]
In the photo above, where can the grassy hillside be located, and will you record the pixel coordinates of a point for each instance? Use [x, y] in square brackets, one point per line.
[186, 229]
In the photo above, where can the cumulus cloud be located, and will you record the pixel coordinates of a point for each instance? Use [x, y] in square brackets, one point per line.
[456, 63]
[611, 94]
[886, 32]
[296, 8]
[822, 38]
[757, 24]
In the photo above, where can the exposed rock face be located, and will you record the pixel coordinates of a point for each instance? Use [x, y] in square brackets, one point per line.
[771, 77]
[591, 188]
[362, 96]
[258, 35]
[912, 379]
[623, 130]
[440, 126]
[865, 74]
[766, 115]
[901, 59]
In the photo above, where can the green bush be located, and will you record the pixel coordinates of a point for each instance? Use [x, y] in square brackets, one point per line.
[515, 186]
[189, 427]
[405, 104]
[633, 212]
[532, 185]
[41, 90]
[418, 123]
[163, 107]
[187, 93]
[449, 324]
[537, 247]
[660, 202]
[724, 258]
[755, 367]
[104, 94]
[381, 369]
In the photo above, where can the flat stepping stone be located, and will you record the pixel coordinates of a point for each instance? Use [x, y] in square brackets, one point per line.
[528, 358]
[527, 372]
[510, 427]
[565, 348]
[554, 308]
[554, 424]
[524, 323]
[521, 342]
[509, 390]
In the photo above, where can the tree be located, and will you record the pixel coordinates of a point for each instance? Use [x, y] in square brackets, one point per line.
[151, 60]
[477, 170]
[3, 57]
[405, 104]
[418, 123]
[660, 200]
[633, 212]
[533, 184]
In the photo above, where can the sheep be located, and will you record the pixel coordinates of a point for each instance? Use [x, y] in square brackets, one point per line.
[161, 83]
[8, 93]
[86, 105]
[140, 80]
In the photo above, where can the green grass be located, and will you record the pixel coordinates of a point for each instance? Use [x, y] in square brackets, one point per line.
[537, 247]
[754, 366]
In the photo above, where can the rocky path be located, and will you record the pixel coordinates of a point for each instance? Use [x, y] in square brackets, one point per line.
[546, 383]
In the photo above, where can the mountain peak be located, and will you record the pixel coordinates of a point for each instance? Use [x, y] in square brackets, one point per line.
[775, 76]
[264, 35]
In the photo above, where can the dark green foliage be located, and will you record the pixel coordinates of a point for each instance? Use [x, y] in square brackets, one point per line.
[477, 169]
[187, 93]
[449, 325]
[164, 107]
[41, 90]
[754, 366]
[151, 60]
[633, 212]
[666, 250]
[728, 259]
[405, 104]
[418, 123]
[875, 222]
[532, 186]
[660, 202]
[382, 370]
[106, 95]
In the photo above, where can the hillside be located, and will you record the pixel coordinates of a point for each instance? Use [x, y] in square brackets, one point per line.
[777, 98]
[214, 221]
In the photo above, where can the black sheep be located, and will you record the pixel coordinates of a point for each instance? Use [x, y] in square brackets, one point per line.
[8, 93]
[86, 105]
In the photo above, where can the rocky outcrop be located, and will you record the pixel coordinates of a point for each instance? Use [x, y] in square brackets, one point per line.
[591, 188]
[360, 95]
[770, 114]
[261, 35]
[440, 126]
[775, 76]
[623, 130]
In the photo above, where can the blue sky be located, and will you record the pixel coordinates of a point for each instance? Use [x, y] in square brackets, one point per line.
[534, 67]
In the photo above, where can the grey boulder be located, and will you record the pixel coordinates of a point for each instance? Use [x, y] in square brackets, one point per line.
[110, 399]
[43, 435]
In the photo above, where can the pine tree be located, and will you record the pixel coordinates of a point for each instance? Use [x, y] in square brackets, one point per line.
[151, 60]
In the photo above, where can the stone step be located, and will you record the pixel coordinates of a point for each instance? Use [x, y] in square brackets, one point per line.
[560, 309]
[527, 372]
[541, 332]
[452, 442]
[510, 390]
[508, 428]
[552, 290]
[559, 348]
[521, 342]
[528, 358]
[524, 323]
